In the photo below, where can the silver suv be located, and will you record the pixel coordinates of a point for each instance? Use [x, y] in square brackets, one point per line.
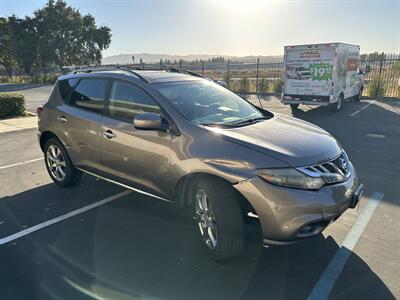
[184, 139]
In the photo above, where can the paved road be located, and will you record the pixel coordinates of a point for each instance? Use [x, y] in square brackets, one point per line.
[35, 94]
[135, 247]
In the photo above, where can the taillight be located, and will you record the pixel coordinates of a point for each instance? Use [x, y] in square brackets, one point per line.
[39, 110]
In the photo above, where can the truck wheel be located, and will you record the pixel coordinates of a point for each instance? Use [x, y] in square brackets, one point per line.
[294, 106]
[58, 164]
[218, 217]
[337, 105]
[357, 97]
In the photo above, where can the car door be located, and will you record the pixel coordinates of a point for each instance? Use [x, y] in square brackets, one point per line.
[137, 158]
[80, 120]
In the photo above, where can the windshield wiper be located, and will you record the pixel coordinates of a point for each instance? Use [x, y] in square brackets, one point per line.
[247, 121]
[236, 124]
[218, 124]
[210, 124]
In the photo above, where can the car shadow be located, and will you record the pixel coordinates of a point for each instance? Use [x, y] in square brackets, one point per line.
[139, 248]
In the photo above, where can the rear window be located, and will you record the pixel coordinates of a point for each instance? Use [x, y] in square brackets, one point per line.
[89, 94]
[66, 87]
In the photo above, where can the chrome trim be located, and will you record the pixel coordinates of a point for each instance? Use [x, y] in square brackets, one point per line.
[109, 135]
[321, 169]
[62, 119]
[126, 186]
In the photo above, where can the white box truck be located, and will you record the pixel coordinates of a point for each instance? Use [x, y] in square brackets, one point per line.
[321, 74]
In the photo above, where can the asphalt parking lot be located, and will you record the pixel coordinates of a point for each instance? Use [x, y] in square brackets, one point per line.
[99, 241]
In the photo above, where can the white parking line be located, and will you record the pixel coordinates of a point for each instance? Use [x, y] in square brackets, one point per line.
[362, 108]
[20, 163]
[61, 218]
[328, 278]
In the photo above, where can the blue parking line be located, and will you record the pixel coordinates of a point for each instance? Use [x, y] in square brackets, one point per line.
[328, 278]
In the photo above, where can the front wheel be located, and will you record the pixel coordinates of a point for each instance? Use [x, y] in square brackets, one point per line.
[219, 218]
[58, 164]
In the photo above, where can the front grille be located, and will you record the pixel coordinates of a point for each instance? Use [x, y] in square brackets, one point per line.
[335, 170]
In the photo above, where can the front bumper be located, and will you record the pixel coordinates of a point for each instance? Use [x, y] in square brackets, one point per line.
[288, 215]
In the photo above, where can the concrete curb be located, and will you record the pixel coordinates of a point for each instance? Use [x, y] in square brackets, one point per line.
[15, 124]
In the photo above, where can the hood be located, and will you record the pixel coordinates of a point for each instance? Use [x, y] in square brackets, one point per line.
[291, 140]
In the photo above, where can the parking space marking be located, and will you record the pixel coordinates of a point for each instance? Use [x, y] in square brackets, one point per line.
[20, 163]
[61, 218]
[362, 108]
[328, 278]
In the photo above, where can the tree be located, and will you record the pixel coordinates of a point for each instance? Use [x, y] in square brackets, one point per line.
[6, 49]
[23, 40]
[374, 56]
[65, 37]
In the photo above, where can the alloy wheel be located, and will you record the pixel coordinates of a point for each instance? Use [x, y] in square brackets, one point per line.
[206, 219]
[56, 162]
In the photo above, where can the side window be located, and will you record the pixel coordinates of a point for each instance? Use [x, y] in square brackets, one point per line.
[127, 101]
[66, 87]
[89, 94]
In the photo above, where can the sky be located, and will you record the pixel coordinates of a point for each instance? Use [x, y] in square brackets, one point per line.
[235, 27]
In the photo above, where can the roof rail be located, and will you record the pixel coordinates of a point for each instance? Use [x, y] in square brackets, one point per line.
[173, 70]
[113, 68]
[131, 69]
[184, 71]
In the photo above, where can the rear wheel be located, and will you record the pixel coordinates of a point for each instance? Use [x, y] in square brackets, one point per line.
[337, 105]
[58, 164]
[218, 217]
[294, 106]
[357, 97]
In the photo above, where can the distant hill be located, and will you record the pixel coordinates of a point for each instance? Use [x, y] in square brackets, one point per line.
[155, 58]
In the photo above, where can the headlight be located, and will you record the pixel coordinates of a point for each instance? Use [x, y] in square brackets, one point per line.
[291, 178]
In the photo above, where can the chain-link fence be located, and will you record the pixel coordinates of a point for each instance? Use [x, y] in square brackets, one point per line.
[263, 75]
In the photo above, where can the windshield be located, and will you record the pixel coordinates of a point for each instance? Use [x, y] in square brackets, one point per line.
[207, 103]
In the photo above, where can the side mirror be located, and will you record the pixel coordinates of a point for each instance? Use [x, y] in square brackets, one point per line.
[222, 83]
[367, 68]
[148, 121]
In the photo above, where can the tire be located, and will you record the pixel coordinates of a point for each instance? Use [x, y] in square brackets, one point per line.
[56, 158]
[335, 107]
[224, 214]
[294, 106]
[357, 97]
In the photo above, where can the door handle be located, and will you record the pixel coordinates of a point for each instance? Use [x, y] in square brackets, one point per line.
[108, 134]
[62, 119]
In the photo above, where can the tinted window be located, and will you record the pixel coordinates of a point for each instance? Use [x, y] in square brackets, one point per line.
[90, 94]
[127, 101]
[66, 86]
